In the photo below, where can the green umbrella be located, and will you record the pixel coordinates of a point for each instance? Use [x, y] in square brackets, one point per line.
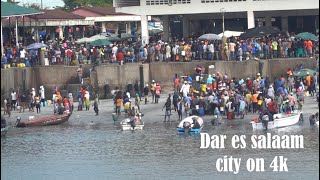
[126, 36]
[303, 72]
[113, 38]
[307, 35]
[101, 42]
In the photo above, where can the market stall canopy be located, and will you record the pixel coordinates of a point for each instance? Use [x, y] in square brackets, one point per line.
[126, 36]
[303, 72]
[230, 34]
[209, 37]
[11, 10]
[83, 40]
[260, 31]
[36, 46]
[101, 42]
[306, 36]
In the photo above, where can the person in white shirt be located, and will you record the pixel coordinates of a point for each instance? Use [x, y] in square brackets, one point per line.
[211, 50]
[185, 89]
[114, 53]
[205, 47]
[42, 95]
[22, 55]
[13, 99]
[168, 52]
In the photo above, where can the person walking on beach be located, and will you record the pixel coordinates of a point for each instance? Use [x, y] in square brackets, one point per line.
[167, 105]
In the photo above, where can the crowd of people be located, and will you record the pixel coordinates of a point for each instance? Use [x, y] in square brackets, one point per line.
[184, 50]
[220, 95]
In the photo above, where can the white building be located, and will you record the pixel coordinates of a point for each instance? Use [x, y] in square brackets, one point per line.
[288, 15]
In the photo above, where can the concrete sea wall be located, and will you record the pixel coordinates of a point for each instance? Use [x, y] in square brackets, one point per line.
[65, 77]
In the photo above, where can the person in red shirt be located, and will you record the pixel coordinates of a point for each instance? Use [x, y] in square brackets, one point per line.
[120, 57]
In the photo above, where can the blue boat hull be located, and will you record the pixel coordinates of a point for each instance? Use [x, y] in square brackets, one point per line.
[192, 130]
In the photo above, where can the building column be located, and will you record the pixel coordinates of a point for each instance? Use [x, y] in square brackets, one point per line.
[144, 30]
[103, 27]
[128, 27]
[2, 48]
[17, 34]
[250, 17]
[185, 26]
[268, 21]
[60, 32]
[284, 23]
[165, 21]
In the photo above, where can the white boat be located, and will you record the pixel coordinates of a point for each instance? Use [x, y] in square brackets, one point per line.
[279, 120]
[127, 125]
[189, 120]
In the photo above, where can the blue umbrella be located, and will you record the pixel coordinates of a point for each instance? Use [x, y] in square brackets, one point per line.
[36, 46]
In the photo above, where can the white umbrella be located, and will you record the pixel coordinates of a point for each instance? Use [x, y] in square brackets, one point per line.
[98, 36]
[83, 40]
[209, 37]
[231, 33]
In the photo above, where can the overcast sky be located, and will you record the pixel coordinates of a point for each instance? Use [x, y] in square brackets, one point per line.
[46, 3]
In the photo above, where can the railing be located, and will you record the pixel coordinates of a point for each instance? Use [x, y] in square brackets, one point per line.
[126, 3]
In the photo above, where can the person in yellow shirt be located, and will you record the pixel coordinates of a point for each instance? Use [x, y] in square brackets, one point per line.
[255, 102]
[249, 101]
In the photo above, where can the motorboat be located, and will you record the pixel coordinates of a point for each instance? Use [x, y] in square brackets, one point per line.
[279, 120]
[187, 125]
[134, 123]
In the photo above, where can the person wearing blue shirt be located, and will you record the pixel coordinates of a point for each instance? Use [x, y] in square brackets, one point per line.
[189, 78]
[262, 84]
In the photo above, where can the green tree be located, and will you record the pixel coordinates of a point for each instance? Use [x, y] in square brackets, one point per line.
[72, 4]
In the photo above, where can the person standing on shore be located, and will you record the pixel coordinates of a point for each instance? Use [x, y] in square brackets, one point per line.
[95, 106]
[13, 99]
[80, 71]
[179, 109]
[152, 90]
[157, 93]
[146, 93]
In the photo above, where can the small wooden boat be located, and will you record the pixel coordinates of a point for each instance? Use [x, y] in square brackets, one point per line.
[4, 131]
[137, 124]
[44, 121]
[187, 125]
[279, 120]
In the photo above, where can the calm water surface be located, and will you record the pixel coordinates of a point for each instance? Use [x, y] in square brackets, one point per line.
[81, 150]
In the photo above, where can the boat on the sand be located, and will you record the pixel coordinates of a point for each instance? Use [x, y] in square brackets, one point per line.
[44, 121]
[187, 125]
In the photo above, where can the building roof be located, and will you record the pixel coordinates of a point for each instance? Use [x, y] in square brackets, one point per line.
[10, 10]
[103, 10]
[58, 14]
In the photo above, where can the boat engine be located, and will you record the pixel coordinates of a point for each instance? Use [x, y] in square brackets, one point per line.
[187, 127]
[265, 120]
[18, 120]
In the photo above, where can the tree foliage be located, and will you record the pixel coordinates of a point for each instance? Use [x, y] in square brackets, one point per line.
[72, 4]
